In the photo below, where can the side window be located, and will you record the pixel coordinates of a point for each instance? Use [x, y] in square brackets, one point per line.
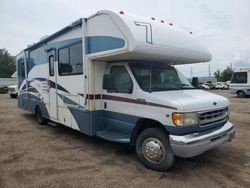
[76, 61]
[64, 66]
[20, 71]
[123, 82]
[239, 77]
[51, 65]
[70, 60]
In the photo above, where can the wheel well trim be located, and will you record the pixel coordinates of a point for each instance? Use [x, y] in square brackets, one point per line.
[142, 124]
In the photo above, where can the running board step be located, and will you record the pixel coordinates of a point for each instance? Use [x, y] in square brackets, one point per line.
[53, 124]
[112, 136]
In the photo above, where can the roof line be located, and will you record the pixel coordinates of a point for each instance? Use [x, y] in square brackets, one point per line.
[56, 34]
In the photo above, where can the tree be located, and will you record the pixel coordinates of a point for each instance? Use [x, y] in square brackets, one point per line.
[223, 76]
[226, 74]
[217, 75]
[7, 64]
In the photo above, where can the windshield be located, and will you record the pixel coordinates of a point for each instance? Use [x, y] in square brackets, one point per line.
[154, 76]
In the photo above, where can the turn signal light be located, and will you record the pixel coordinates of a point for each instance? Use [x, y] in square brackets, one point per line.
[178, 119]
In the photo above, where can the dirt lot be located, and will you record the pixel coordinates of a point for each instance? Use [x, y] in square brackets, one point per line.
[42, 156]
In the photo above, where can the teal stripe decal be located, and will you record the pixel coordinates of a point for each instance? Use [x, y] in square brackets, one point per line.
[102, 43]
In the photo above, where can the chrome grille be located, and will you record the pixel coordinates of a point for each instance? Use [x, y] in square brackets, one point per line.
[213, 117]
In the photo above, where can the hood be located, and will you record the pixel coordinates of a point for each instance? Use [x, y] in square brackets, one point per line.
[192, 100]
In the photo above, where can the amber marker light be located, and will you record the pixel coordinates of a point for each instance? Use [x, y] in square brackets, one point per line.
[178, 119]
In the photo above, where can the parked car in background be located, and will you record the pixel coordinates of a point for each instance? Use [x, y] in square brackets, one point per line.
[205, 86]
[3, 89]
[211, 85]
[219, 85]
[13, 91]
[225, 86]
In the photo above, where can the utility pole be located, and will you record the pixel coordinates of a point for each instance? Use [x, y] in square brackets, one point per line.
[209, 72]
[191, 72]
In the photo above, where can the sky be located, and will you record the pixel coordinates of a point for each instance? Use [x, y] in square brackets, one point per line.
[223, 26]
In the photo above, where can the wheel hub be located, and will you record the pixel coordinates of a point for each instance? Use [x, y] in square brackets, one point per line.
[153, 150]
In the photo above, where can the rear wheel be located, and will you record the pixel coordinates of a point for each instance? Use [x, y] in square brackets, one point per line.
[153, 149]
[40, 119]
[13, 96]
[241, 94]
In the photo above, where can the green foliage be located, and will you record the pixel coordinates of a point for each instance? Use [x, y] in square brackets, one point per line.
[225, 75]
[217, 75]
[7, 64]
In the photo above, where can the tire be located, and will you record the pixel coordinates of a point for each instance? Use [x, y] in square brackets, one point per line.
[241, 94]
[40, 119]
[154, 138]
[13, 96]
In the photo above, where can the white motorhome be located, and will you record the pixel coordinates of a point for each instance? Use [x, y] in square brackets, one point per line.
[111, 75]
[240, 83]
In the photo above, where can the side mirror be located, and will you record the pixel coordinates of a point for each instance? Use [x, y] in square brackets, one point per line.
[108, 82]
[195, 82]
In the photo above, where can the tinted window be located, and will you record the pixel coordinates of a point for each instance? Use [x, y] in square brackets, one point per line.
[239, 77]
[76, 58]
[123, 83]
[70, 60]
[64, 66]
[51, 65]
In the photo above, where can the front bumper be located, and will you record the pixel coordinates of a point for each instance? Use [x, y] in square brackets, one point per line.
[197, 143]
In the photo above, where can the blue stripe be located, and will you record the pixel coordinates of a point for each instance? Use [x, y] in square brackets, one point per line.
[29, 103]
[102, 43]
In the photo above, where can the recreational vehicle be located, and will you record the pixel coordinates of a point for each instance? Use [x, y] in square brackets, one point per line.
[240, 83]
[112, 76]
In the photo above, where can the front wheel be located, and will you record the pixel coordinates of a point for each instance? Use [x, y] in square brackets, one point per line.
[241, 94]
[153, 149]
[13, 96]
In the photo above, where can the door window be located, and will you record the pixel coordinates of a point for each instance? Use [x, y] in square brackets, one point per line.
[123, 82]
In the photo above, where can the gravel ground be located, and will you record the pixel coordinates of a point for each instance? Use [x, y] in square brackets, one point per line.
[56, 156]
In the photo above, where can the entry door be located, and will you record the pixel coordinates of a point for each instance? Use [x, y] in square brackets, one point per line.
[52, 87]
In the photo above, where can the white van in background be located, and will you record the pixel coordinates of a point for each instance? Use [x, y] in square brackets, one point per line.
[240, 83]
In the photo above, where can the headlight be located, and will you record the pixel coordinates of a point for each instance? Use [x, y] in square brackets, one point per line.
[185, 119]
